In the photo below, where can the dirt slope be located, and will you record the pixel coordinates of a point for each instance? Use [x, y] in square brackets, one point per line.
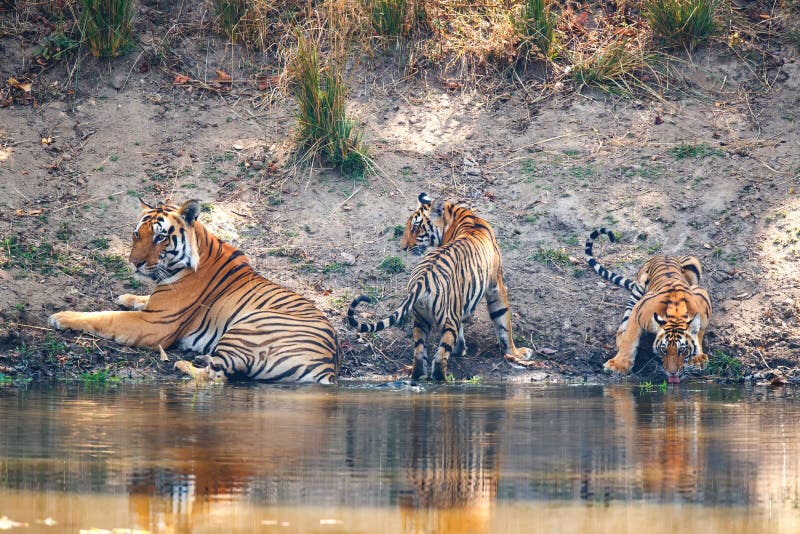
[710, 170]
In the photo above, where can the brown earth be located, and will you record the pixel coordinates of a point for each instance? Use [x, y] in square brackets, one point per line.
[544, 163]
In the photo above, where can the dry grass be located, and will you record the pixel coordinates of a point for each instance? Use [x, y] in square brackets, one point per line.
[596, 44]
[615, 65]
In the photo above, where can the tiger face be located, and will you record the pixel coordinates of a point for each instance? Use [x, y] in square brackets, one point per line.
[674, 342]
[424, 228]
[163, 241]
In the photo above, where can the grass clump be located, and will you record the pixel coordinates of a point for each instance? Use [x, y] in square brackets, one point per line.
[229, 13]
[388, 16]
[613, 66]
[99, 378]
[323, 126]
[5, 379]
[392, 265]
[700, 151]
[106, 26]
[720, 364]
[41, 257]
[551, 256]
[685, 23]
[536, 23]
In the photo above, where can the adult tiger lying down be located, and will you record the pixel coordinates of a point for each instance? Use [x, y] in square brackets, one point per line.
[447, 285]
[209, 300]
[665, 300]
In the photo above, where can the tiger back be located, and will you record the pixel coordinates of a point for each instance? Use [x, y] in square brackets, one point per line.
[209, 300]
[665, 300]
[447, 285]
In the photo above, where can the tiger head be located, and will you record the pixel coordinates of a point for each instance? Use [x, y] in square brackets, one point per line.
[674, 342]
[164, 242]
[425, 227]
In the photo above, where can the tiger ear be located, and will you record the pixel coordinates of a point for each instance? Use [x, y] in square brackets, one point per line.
[424, 199]
[190, 211]
[438, 208]
[144, 205]
[658, 319]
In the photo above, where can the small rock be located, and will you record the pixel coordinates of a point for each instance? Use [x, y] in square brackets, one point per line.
[347, 258]
[118, 80]
[257, 164]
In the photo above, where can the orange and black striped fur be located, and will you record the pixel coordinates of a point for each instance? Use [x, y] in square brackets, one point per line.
[666, 301]
[209, 300]
[448, 283]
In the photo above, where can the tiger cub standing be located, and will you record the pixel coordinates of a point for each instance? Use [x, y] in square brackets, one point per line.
[448, 283]
[209, 300]
[666, 301]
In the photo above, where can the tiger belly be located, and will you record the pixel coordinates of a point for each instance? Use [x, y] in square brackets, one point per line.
[201, 341]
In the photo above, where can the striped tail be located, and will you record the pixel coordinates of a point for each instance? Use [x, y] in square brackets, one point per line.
[397, 316]
[636, 290]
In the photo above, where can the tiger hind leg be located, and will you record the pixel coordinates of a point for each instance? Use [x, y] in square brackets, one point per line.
[421, 331]
[461, 345]
[500, 313]
[446, 345]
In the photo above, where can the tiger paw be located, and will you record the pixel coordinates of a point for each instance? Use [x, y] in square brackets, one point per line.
[65, 320]
[521, 359]
[199, 374]
[132, 302]
[700, 361]
[524, 353]
[618, 365]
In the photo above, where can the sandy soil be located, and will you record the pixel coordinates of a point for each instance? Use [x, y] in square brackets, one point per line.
[544, 170]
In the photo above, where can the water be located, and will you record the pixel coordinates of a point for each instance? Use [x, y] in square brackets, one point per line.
[355, 458]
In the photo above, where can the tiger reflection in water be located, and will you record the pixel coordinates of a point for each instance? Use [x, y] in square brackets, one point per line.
[665, 440]
[197, 470]
[453, 467]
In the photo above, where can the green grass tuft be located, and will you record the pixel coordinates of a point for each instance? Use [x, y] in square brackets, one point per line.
[229, 13]
[551, 256]
[699, 151]
[99, 378]
[388, 16]
[685, 23]
[392, 265]
[536, 23]
[106, 26]
[720, 364]
[323, 127]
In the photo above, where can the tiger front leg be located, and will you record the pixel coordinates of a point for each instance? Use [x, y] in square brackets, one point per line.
[500, 313]
[699, 361]
[133, 302]
[420, 365]
[126, 327]
[627, 345]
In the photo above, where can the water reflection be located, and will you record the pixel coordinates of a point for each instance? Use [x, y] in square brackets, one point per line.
[446, 459]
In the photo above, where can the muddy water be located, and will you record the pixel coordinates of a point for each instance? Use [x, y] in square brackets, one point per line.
[480, 459]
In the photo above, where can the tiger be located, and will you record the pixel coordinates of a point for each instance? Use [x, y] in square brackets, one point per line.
[208, 299]
[665, 300]
[445, 287]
